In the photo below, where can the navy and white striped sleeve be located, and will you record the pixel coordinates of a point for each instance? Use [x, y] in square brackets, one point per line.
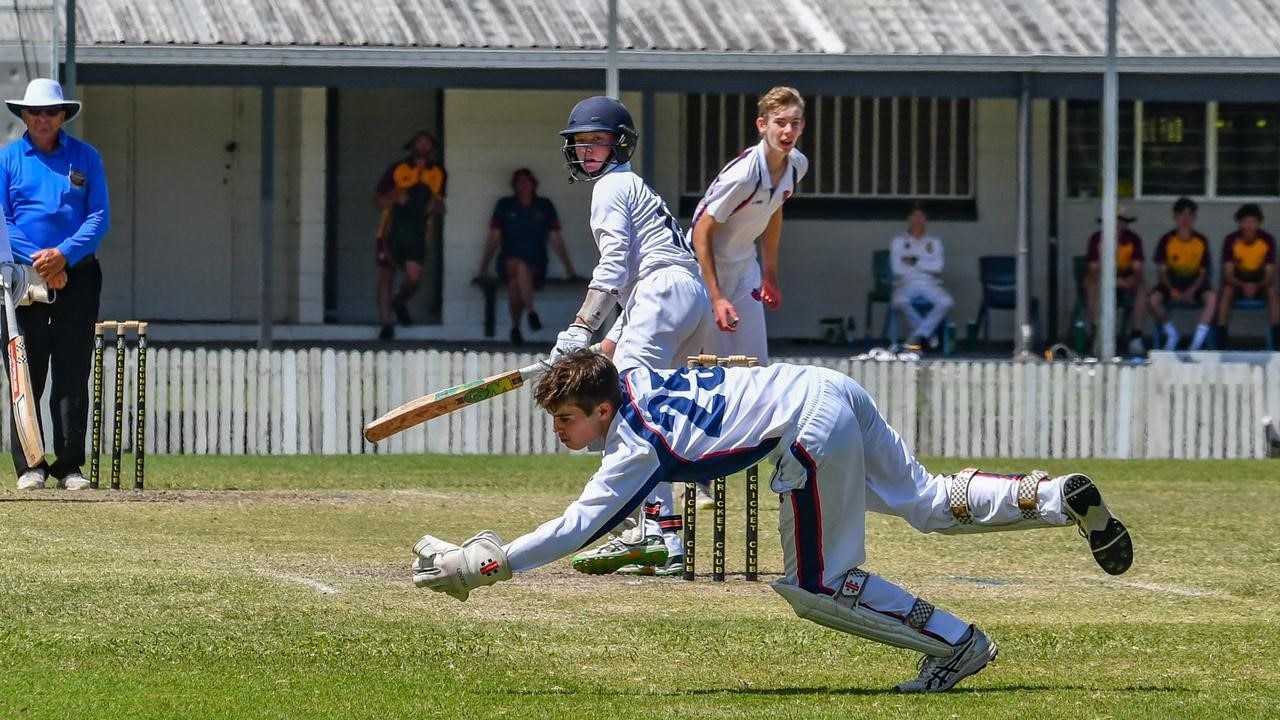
[628, 472]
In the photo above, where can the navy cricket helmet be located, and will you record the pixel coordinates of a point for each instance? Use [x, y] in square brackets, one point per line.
[599, 114]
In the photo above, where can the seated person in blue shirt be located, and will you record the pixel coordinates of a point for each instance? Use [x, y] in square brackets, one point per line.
[521, 226]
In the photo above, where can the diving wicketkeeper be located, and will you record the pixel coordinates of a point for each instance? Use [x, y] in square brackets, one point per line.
[834, 456]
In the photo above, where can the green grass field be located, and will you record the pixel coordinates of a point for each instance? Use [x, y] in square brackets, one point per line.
[279, 588]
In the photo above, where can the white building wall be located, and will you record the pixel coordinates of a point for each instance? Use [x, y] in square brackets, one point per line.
[308, 300]
[182, 167]
[491, 134]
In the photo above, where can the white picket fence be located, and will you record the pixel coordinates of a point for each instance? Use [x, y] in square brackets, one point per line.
[315, 401]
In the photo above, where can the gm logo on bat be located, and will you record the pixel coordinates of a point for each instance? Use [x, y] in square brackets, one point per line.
[484, 392]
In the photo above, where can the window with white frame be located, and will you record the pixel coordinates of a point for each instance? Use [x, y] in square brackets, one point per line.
[858, 147]
[1084, 149]
[1248, 150]
[1169, 149]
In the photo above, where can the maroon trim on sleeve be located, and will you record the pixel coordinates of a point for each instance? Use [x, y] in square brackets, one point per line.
[1228, 254]
[1271, 247]
[1136, 241]
[1095, 247]
[388, 181]
[1159, 257]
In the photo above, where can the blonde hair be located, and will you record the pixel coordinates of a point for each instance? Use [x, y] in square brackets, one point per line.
[778, 98]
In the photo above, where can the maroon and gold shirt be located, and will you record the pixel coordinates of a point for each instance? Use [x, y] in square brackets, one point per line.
[1128, 250]
[1249, 257]
[1183, 257]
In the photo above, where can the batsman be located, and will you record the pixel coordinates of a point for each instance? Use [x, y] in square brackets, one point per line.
[834, 458]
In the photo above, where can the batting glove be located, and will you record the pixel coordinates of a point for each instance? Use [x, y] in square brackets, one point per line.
[575, 337]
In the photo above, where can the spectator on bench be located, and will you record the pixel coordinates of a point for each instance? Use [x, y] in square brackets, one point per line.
[1249, 271]
[1182, 272]
[1128, 277]
[519, 230]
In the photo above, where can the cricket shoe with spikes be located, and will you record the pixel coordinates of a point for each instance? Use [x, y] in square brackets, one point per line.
[1108, 537]
[616, 553]
[940, 674]
[673, 567]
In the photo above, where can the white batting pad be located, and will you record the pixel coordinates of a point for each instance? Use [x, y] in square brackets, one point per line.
[986, 502]
[856, 620]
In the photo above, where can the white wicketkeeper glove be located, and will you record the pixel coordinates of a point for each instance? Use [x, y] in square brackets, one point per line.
[456, 571]
[574, 337]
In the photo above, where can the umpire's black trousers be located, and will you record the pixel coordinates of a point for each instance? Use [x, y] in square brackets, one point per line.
[61, 334]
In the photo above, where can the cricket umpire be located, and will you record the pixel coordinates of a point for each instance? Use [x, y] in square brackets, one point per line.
[53, 191]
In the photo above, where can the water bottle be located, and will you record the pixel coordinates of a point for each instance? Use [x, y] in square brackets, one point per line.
[1077, 336]
[948, 338]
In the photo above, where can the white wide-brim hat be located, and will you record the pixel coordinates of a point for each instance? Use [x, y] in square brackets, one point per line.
[43, 92]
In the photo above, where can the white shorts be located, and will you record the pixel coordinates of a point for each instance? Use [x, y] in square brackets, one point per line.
[667, 318]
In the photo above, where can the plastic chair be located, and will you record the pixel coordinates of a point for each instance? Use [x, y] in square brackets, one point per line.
[1171, 308]
[1124, 301]
[1253, 304]
[880, 292]
[999, 277]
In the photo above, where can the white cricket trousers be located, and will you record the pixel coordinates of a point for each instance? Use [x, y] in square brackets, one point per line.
[845, 460]
[666, 319]
[922, 325]
[741, 285]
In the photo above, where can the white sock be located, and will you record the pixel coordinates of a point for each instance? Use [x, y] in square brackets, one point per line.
[675, 544]
[1171, 336]
[1202, 333]
[886, 598]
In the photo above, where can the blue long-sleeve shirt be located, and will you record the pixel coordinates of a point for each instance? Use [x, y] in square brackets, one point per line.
[53, 200]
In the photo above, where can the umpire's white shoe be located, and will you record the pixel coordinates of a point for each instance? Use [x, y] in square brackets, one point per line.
[1108, 537]
[75, 481]
[941, 674]
[31, 480]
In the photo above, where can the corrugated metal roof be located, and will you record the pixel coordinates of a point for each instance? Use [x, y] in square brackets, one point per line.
[921, 28]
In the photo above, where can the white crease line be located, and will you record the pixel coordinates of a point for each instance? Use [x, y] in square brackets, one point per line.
[422, 494]
[313, 584]
[1156, 587]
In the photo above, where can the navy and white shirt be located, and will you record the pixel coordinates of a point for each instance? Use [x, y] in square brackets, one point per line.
[692, 424]
[635, 232]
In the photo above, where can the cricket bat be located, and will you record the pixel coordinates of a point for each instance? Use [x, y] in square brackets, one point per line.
[416, 412]
[24, 403]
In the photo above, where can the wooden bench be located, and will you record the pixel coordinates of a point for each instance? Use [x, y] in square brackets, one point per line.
[490, 286]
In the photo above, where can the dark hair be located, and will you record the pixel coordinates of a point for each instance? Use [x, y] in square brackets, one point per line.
[1184, 203]
[435, 142]
[527, 173]
[582, 378]
[1249, 210]
[917, 207]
